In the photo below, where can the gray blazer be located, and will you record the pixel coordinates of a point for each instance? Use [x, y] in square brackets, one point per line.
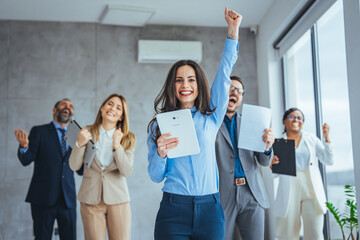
[225, 158]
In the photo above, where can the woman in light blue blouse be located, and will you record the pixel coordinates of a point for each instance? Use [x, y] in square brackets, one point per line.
[190, 208]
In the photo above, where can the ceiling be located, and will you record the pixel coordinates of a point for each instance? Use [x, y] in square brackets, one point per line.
[208, 13]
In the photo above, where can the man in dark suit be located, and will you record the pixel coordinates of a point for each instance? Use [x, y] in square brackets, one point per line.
[242, 192]
[52, 192]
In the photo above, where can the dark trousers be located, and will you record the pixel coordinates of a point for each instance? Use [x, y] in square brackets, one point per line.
[44, 218]
[183, 217]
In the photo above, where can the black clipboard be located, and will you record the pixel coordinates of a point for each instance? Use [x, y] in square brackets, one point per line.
[71, 137]
[285, 150]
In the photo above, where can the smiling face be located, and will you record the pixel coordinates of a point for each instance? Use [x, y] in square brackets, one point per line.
[112, 110]
[294, 122]
[63, 111]
[186, 87]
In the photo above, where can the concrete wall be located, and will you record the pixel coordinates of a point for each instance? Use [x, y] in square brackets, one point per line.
[41, 63]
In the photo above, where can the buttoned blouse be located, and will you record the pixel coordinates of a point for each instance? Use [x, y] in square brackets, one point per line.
[302, 156]
[197, 174]
[104, 147]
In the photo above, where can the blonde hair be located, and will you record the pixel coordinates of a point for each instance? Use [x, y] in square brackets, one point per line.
[128, 140]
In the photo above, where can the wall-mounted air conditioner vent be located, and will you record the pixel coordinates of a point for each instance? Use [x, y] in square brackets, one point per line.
[161, 51]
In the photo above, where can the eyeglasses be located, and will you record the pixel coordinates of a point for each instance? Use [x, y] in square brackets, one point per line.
[292, 117]
[239, 90]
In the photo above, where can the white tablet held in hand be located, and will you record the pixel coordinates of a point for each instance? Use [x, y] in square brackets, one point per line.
[181, 125]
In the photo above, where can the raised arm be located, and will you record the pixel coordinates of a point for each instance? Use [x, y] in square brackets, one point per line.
[124, 160]
[233, 20]
[324, 151]
[77, 154]
[28, 146]
[221, 85]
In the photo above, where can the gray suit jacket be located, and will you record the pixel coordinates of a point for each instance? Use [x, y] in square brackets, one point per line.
[225, 158]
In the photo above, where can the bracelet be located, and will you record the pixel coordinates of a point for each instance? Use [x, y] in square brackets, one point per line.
[232, 37]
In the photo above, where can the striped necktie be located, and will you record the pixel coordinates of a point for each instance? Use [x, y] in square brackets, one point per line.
[63, 142]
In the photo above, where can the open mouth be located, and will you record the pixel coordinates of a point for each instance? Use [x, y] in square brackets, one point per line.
[110, 114]
[232, 101]
[185, 93]
[65, 111]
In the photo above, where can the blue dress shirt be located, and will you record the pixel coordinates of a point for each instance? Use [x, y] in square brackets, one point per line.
[59, 133]
[197, 175]
[231, 127]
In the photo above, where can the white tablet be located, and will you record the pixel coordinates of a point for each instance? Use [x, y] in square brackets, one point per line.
[181, 125]
[71, 137]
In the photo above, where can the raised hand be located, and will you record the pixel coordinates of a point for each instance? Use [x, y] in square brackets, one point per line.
[326, 130]
[268, 138]
[233, 20]
[118, 134]
[84, 136]
[165, 144]
[22, 138]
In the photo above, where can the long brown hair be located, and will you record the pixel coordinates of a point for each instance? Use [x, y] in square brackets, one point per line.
[128, 140]
[167, 101]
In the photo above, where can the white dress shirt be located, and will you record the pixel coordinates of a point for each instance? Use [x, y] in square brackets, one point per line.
[104, 151]
[302, 156]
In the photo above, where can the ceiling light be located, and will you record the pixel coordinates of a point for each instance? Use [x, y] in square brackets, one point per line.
[114, 14]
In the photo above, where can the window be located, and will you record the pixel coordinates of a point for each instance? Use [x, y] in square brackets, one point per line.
[335, 105]
[299, 80]
[315, 81]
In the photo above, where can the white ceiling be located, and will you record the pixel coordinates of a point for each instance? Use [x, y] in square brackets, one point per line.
[166, 12]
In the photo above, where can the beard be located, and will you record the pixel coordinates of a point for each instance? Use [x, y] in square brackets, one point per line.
[62, 116]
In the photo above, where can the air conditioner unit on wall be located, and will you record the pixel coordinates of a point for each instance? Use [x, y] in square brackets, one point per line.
[162, 51]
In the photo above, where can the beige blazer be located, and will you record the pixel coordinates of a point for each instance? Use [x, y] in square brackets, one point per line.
[110, 182]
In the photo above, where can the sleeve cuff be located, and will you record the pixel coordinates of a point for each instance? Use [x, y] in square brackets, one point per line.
[23, 150]
[231, 44]
[267, 153]
[159, 158]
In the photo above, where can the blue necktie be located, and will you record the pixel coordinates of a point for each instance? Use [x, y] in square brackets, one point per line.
[63, 142]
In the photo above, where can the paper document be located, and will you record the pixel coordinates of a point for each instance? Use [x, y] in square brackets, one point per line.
[181, 125]
[285, 150]
[254, 120]
[71, 137]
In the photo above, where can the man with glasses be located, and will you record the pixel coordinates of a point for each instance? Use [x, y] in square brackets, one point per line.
[242, 192]
[52, 189]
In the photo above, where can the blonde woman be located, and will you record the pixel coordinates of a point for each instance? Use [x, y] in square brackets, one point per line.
[103, 195]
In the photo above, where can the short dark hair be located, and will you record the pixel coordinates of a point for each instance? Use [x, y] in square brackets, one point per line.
[239, 80]
[58, 102]
[287, 113]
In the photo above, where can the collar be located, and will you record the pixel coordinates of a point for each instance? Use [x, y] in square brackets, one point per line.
[193, 110]
[284, 135]
[226, 118]
[108, 133]
[57, 126]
